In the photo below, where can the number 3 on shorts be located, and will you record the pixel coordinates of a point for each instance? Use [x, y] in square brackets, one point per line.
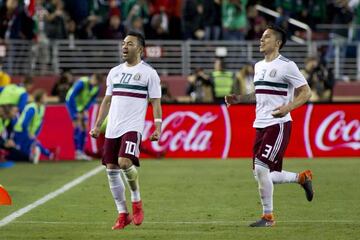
[266, 153]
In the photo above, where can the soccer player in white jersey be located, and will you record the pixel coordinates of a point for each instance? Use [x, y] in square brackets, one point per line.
[130, 86]
[279, 88]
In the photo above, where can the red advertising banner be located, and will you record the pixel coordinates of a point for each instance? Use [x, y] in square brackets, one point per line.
[215, 131]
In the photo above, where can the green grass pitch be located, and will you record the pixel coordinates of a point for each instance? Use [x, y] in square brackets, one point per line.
[185, 199]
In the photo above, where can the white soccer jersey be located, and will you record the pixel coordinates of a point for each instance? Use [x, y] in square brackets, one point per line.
[130, 88]
[275, 82]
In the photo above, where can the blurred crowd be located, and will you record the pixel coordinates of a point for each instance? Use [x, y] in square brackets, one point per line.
[44, 20]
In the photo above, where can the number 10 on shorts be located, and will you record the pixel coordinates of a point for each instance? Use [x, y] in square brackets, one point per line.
[130, 148]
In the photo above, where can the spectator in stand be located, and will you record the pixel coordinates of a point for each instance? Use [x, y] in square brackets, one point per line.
[136, 23]
[244, 80]
[63, 85]
[133, 12]
[192, 20]
[317, 10]
[78, 10]
[234, 19]
[55, 19]
[17, 95]
[212, 19]
[339, 36]
[223, 80]
[319, 78]
[101, 8]
[111, 28]
[200, 88]
[135, 8]
[354, 5]
[170, 12]
[258, 24]
[14, 22]
[159, 25]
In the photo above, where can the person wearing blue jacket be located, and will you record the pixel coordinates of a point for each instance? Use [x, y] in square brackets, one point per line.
[28, 127]
[17, 94]
[80, 97]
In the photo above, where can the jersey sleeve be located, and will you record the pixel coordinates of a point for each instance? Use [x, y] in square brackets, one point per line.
[154, 87]
[109, 85]
[294, 76]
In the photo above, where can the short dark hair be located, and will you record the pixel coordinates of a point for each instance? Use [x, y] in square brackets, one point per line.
[38, 94]
[28, 80]
[140, 37]
[280, 33]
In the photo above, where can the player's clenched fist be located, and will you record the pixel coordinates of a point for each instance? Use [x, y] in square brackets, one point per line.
[94, 132]
[231, 99]
[155, 136]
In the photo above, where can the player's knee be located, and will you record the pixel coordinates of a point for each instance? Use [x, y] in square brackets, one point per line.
[112, 166]
[125, 163]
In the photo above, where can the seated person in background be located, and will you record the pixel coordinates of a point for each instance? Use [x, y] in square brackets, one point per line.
[81, 96]
[244, 80]
[319, 78]
[28, 127]
[63, 85]
[200, 87]
[7, 145]
[17, 94]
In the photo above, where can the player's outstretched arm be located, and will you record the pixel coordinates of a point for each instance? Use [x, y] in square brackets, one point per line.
[157, 113]
[235, 99]
[302, 95]
[103, 112]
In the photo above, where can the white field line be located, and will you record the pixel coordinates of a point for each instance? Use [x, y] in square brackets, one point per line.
[228, 223]
[49, 196]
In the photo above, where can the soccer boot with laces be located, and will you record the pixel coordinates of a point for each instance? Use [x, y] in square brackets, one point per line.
[267, 220]
[122, 221]
[305, 180]
[138, 213]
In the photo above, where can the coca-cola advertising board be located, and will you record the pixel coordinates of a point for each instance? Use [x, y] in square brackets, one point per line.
[332, 130]
[215, 131]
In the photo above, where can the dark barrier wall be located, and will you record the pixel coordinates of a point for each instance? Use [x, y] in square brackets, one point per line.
[215, 131]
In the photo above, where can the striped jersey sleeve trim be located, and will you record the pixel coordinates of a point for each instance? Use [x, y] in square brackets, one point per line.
[128, 86]
[129, 94]
[284, 59]
[271, 84]
[270, 92]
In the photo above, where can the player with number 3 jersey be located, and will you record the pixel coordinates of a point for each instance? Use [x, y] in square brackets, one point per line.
[279, 88]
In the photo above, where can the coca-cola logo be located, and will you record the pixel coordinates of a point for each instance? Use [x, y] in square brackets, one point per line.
[335, 132]
[174, 136]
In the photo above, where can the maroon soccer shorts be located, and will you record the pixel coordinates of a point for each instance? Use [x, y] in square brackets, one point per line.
[126, 146]
[271, 143]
